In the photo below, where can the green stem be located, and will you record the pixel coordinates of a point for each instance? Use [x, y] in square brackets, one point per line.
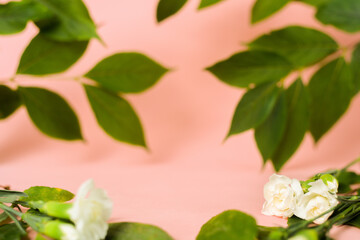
[351, 164]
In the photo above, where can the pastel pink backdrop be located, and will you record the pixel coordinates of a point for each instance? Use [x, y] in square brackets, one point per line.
[189, 175]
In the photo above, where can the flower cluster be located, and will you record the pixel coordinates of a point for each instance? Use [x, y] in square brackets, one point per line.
[88, 215]
[311, 199]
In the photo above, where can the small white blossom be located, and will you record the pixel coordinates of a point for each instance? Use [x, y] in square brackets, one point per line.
[69, 232]
[281, 194]
[90, 212]
[315, 202]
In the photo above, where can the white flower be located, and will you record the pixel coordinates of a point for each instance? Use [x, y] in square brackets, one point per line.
[315, 202]
[281, 194]
[90, 212]
[69, 232]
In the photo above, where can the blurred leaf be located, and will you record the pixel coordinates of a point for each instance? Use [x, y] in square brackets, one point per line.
[15, 15]
[306, 234]
[355, 67]
[315, 3]
[254, 107]
[35, 219]
[344, 15]
[10, 232]
[249, 67]
[294, 220]
[45, 194]
[207, 3]
[331, 89]
[7, 196]
[296, 124]
[72, 23]
[135, 231]
[355, 222]
[167, 8]
[9, 101]
[269, 134]
[127, 72]
[45, 56]
[229, 225]
[51, 113]
[40, 237]
[3, 217]
[346, 179]
[116, 116]
[302, 46]
[265, 8]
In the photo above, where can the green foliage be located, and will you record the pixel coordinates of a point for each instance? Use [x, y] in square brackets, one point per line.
[346, 179]
[45, 56]
[344, 15]
[302, 46]
[254, 107]
[72, 21]
[315, 2]
[7, 196]
[229, 225]
[51, 113]
[135, 231]
[15, 15]
[251, 67]
[331, 90]
[265, 8]
[167, 8]
[9, 101]
[45, 194]
[127, 72]
[35, 219]
[296, 124]
[207, 3]
[10, 232]
[115, 115]
[269, 134]
[355, 67]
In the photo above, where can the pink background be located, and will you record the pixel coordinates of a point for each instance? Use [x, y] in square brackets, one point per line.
[189, 175]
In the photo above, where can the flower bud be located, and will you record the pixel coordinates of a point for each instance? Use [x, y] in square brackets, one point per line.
[56, 209]
[331, 182]
[308, 234]
[60, 230]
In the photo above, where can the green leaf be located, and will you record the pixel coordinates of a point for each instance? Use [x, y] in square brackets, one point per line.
[35, 219]
[346, 179]
[167, 8]
[229, 225]
[344, 15]
[294, 220]
[207, 3]
[15, 15]
[296, 124]
[308, 234]
[3, 217]
[254, 107]
[7, 196]
[40, 237]
[45, 194]
[9, 101]
[355, 222]
[301, 46]
[127, 72]
[135, 231]
[265, 8]
[10, 232]
[355, 67]
[72, 23]
[51, 113]
[315, 3]
[45, 56]
[116, 116]
[251, 67]
[331, 89]
[269, 134]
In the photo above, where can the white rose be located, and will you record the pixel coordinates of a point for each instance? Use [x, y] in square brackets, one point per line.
[315, 202]
[281, 194]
